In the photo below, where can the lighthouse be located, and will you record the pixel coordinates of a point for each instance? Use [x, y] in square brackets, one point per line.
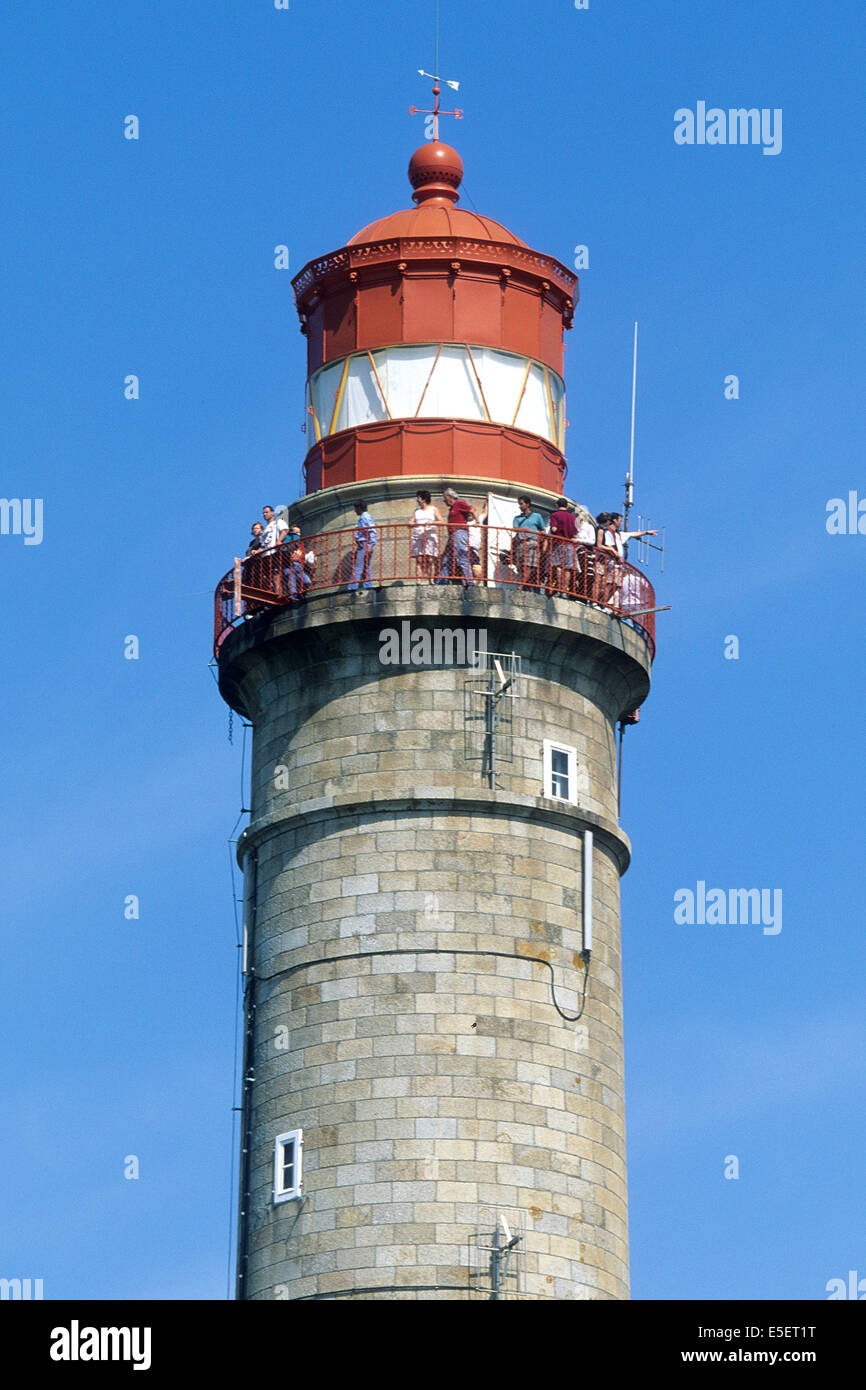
[433, 1091]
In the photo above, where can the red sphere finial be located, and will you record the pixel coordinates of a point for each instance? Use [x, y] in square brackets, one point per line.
[435, 171]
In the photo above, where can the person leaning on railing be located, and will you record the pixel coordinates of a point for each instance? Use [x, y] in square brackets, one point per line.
[611, 541]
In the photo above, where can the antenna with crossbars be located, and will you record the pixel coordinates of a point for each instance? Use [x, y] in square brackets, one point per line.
[629, 477]
[644, 544]
[496, 1257]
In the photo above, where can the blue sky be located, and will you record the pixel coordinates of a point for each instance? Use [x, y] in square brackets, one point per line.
[155, 257]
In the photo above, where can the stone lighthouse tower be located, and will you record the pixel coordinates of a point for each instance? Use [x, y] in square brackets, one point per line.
[433, 1060]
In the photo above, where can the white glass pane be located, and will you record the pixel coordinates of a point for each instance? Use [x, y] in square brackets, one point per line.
[325, 385]
[453, 391]
[403, 372]
[534, 412]
[502, 377]
[362, 402]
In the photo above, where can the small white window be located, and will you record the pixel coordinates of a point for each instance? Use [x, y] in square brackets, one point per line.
[288, 1151]
[560, 771]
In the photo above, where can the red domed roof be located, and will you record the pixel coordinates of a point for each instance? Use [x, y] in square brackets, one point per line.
[435, 171]
[435, 221]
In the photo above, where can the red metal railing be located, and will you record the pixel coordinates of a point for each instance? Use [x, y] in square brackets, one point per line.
[483, 555]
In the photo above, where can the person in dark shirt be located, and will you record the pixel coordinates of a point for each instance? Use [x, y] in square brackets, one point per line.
[455, 556]
[252, 568]
[563, 559]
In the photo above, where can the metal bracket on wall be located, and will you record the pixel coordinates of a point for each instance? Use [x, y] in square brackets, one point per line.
[490, 708]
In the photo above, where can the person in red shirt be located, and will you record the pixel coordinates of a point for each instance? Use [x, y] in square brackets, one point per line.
[455, 556]
[563, 529]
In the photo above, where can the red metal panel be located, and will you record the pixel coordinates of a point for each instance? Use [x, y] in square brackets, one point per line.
[340, 323]
[377, 451]
[315, 339]
[550, 330]
[477, 450]
[379, 314]
[428, 447]
[520, 322]
[478, 311]
[313, 469]
[434, 302]
[428, 309]
[460, 447]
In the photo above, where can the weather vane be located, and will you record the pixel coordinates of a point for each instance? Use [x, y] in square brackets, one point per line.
[436, 111]
[455, 86]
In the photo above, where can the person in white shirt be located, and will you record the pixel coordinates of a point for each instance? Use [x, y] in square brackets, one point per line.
[272, 537]
[612, 542]
[275, 529]
[585, 560]
[424, 546]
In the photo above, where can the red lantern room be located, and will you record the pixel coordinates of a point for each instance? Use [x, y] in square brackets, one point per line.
[435, 346]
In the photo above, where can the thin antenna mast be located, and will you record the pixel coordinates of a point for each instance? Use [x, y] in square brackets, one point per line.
[629, 481]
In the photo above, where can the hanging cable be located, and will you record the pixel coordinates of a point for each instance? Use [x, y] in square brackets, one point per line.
[236, 1108]
[446, 951]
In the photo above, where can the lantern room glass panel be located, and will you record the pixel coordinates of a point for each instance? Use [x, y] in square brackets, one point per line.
[362, 402]
[446, 381]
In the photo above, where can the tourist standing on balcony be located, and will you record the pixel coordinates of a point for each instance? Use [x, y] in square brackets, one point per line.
[275, 529]
[526, 548]
[425, 538]
[563, 529]
[300, 566]
[612, 542]
[272, 536]
[631, 583]
[456, 554]
[365, 543]
[621, 538]
[252, 567]
[476, 544]
[586, 585]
